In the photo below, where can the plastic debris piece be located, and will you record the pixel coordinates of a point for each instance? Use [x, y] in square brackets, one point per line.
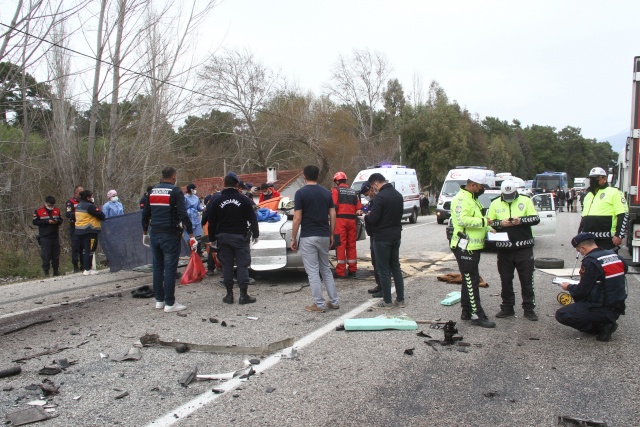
[50, 370]
[340, 327]
[380, 324]
[423, 335]
[527, 377]
[223, 323]
[181, 314]
[77, 397]
[270, 389]
[254, 361]
[564, 420]
[213, 320]
[63, 363]
[188, 377]
[153, 339]
[463, 349]
[252, 318]
[182, 348]
[290, 353]
[534, 338]
[38, 402]
[451, 298]
[491, 394]
[27, 416]
[217, 390]
[104, 356]
[48, 387]
[122, 395]
[49, 410]
[241, 373]
[132, 354]
[31, 387]
[409, 351]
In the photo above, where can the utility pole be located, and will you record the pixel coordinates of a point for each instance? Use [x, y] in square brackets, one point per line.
[400, 147]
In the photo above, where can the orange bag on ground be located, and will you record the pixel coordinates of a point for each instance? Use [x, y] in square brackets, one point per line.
[195, 270]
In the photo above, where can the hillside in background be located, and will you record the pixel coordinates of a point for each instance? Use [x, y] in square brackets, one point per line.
[617, 141]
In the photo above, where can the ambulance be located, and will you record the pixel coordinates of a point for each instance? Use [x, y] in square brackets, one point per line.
[452, 182]
[404, 179]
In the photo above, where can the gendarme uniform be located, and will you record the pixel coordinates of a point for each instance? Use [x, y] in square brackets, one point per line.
[467, 218]
[517, 252]
[605, 214]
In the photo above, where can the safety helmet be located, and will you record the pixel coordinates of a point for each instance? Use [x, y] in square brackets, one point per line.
[509, 190]
[339, 176]
[285, 203]
[478, 177]
[597, 172]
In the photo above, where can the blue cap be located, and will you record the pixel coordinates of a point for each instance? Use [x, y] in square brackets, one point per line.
[365, 187]
[234, 176]
[581, 238]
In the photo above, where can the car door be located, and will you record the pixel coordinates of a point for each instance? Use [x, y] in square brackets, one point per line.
[546, 208]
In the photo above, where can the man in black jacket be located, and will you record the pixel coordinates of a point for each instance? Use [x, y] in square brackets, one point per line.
[166, 212]
[366, 191]
[48, 220]
[386, 218]
[228, 220]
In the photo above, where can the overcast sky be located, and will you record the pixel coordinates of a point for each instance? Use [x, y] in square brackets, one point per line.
[554, 63]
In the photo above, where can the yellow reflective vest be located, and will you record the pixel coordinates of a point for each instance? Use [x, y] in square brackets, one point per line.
[601, 211]
[466, 216]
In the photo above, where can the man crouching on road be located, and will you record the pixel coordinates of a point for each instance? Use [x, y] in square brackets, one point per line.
[600, 295]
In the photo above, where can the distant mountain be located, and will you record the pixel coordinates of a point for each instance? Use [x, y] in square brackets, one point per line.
[617, 141]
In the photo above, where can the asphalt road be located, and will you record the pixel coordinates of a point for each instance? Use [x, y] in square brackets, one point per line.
[521, 373]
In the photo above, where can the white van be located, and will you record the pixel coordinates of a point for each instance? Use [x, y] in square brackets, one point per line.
[454, 179]
[403, 179]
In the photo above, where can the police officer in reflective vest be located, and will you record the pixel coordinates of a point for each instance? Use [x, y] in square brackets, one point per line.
[469, 232]
[600, 295]
[347, 204]
[514, 214]
[48, 220]
[605, 213]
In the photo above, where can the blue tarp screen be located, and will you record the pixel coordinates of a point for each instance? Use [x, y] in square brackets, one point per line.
[121, 242]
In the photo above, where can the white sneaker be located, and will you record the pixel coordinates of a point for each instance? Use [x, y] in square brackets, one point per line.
[92, 272]
[159, 304]
[174, 307]
[86, 273]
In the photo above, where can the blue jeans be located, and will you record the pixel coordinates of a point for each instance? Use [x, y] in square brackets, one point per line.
[165, 248]
[387, 253]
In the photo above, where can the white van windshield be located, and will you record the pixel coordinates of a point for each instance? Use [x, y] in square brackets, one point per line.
[451, 187]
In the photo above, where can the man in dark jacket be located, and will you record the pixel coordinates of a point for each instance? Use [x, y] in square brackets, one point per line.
[166, 213]
[228, 220]
[366, 191]
[76, 245]
[386, 218]
[48, 220]
[599, 297]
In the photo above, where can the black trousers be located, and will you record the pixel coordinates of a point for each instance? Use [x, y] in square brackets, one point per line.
[468, 262]
[373, 263]
[520, 260]
[89, 245]
[234, 249]
[584, 317]
[76, 250]
[50, 253]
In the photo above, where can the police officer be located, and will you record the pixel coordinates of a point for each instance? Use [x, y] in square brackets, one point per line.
[514, 214]
[76, 245]
[600, 295]
[166, 213]
[469, 232]
[605, 213]
[228, 219]
[366, 191]
[48, 220]
[347, 205]
[144, 200]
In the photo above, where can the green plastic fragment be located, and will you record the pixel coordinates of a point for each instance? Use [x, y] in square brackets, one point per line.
[380, 324]
[452, 298]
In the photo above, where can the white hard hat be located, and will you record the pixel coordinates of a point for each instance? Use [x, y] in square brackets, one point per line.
[509, 190]
[285, 203]
[597, 172]
[478, 177]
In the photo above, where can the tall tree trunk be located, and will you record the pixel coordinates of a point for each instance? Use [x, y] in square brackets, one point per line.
[114, 116]
[93, 118]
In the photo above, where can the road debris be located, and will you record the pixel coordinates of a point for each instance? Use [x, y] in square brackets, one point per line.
[132, 354]
[50, 370]
[252, 318]
[409, 351]
[187, 378]
[423, 335]
[42, 353]
[153, 339]
[290, 353]
[27, 416]
[240, 373]
[122, 395]
[9, 372]
[564, 420]
[380, 324]
[451, 298]
[38, 402]
[456, 278]
[270, 389]
[28, 325]
[142, 292]
[491, 394]
[48, 387]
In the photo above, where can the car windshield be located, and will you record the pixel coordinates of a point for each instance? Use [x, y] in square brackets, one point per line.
[450, 188]
[487, 198]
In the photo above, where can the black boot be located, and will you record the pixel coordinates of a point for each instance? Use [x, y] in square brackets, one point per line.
[245, 298]
[229, 298]
[56, 273]
[76, 269]
[46, 273]
[374, 290]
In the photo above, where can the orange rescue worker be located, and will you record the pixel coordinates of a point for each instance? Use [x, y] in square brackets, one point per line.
[347, 204]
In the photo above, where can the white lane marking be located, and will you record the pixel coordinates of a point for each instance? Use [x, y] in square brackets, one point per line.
[207, 397]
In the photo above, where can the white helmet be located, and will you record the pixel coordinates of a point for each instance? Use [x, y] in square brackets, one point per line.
[478, 177]
[285, 203]
[597, 172]
[509, 190]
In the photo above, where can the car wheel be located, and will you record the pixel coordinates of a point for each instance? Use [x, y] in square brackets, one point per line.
[440, 220]
[414, 217]
[549, 263]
